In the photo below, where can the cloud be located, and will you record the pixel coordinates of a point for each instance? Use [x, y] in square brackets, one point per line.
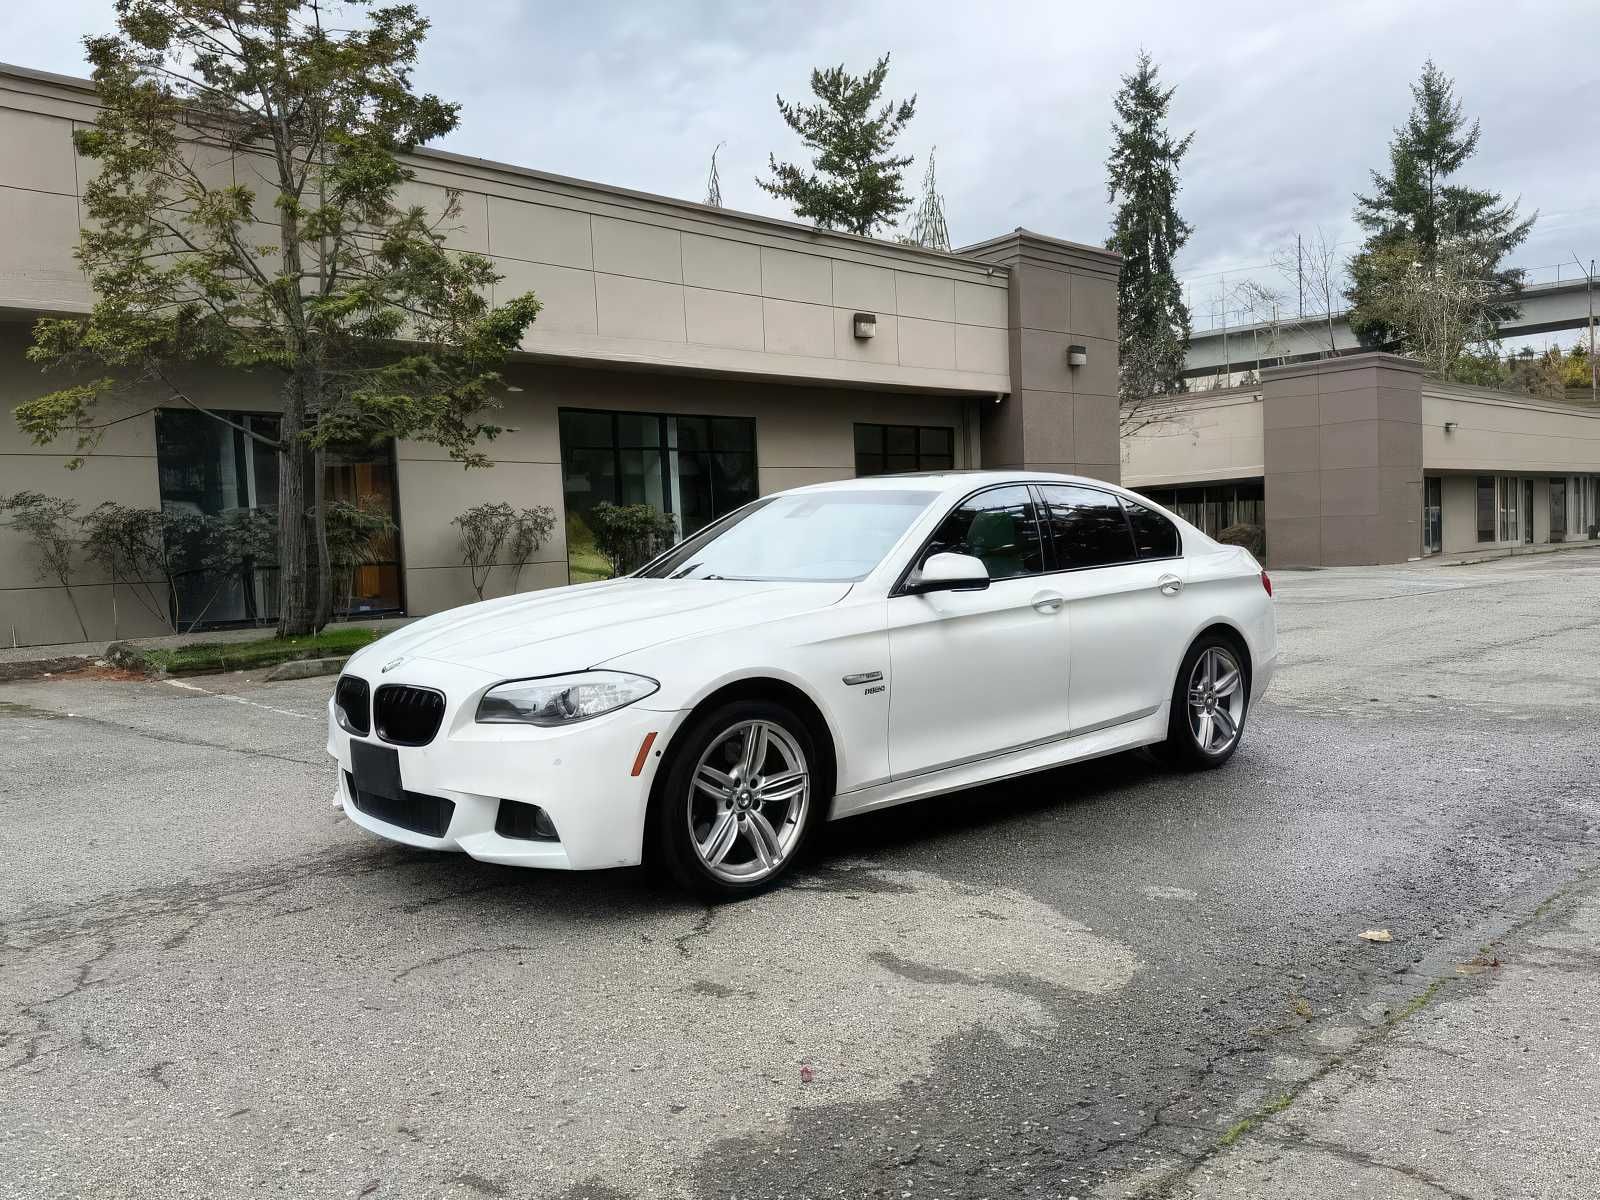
[1291, 104]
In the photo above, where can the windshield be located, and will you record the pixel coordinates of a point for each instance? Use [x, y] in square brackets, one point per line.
[823, 537]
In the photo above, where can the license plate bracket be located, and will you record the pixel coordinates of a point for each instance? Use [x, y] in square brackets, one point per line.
[376, 770]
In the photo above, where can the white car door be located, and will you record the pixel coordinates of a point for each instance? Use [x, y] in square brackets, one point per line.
[977, 673]
[1124, 599]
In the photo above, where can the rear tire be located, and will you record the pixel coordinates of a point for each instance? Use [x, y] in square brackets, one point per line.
[1210, 702]
[738, 800]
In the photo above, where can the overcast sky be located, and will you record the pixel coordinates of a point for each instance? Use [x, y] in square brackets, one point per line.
[1291, 104]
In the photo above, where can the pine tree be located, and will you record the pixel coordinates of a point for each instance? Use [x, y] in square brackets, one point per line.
[1142, 180]
[928, 226]
[1415, 208]
[714, 180]
[856, 183]
[349, 303]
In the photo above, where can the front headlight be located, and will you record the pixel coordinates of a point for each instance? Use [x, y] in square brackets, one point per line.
[562, 699]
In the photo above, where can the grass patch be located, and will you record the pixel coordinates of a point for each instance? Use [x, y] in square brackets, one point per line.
[585, 564]
[1417, 1002]
[203, 657]
[1239, 1128]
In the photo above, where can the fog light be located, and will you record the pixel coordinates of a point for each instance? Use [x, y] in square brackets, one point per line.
[528, 822]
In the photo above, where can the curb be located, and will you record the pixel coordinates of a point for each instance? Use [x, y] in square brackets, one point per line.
[306, 668]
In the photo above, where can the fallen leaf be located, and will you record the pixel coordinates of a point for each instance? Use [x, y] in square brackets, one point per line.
[1376, 935]
[806, 1073]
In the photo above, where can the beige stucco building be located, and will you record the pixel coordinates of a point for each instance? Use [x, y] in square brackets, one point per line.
[1364, 460]
[686, 356]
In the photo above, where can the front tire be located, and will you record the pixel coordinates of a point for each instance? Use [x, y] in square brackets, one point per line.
[1209, 703]
[738, 800]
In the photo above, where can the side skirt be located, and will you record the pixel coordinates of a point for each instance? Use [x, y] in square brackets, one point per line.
[1114, 739]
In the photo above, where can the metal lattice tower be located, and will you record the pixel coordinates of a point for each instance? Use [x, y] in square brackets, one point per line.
[928, 227]
[713, 180]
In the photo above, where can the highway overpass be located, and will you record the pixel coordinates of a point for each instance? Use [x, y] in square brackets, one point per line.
[1544, 308]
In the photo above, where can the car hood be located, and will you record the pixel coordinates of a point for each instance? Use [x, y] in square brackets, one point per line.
[572, 628]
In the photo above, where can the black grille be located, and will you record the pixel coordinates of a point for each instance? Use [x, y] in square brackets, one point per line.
[407, 716]
[428, 815]
[352, 696]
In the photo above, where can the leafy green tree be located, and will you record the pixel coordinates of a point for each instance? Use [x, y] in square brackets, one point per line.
[246, 213]
[856, 184]
[1142, 181]
[1418, 205]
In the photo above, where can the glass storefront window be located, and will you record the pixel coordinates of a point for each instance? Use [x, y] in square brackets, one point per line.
[695, 468]
[210, 468]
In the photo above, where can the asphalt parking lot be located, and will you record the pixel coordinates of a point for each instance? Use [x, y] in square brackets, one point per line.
[212, 984]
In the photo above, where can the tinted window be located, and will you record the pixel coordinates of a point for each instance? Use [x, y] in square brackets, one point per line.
[1087, 527]
[1153, 534]
[997, 526]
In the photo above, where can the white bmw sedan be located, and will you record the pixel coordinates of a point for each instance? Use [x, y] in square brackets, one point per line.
[817, 653]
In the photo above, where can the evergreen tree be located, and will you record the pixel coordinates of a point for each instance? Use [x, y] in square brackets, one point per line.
[1415, 208]
[1142, 180]
[928, 226]
[323, 282]
[856, 183]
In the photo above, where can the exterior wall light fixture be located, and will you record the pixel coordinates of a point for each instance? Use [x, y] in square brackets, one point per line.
[1077, 356]
[1449, 426]
[864, 325]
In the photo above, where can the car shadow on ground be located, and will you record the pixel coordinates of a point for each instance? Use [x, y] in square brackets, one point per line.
[425, 879]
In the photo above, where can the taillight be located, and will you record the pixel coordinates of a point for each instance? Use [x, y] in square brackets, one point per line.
[1266, 582]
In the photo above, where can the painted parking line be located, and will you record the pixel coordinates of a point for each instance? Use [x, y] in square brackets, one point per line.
[282, 712]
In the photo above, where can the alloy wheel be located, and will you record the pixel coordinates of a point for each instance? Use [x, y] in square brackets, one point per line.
[748, 797]
[1216, 700]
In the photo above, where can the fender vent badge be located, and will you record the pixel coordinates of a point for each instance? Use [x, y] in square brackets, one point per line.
[863, 677]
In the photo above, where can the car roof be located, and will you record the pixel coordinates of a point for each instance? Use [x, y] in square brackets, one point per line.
[941, 482]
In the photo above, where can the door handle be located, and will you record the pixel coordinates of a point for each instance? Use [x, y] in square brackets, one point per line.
[1048, 602]
[1170, 585]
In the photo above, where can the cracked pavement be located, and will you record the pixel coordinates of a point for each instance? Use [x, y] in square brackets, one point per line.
[1082, 983]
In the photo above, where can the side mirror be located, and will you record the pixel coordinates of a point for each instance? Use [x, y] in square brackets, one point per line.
[949, 573]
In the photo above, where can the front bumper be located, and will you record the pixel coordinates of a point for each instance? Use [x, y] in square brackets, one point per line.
[581, 775]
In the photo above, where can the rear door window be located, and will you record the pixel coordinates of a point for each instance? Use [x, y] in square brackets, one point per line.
[1087, 527]
[1153, 534]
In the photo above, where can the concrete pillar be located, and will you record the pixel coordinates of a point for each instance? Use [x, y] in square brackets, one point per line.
[1343, 461]
[1058, 417]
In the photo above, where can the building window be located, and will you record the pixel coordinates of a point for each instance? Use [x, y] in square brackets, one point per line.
[896, 449]
[1510, 526]
[1486, 508]
[210, 468]
[695, 468]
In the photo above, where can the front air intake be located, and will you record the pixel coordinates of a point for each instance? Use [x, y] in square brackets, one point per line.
[406, 715]
[353, 700]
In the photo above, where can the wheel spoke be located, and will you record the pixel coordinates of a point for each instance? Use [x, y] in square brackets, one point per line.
[716, 783]
[1225, 725]
[755, 752]
[724, 832]
[775, 789]
[1203, 733]
[1211, 669]
[763, 839]
[1228, 682]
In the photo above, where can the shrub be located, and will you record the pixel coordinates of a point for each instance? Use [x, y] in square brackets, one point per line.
[354, 533]
[630, 535]
[51, 525]
[1252, 537]
[489, 529]
[146, 547]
